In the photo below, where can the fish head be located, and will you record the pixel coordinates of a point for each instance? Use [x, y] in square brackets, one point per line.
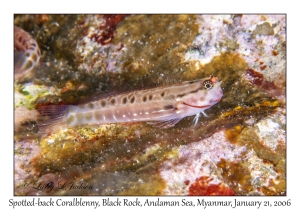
[207, 94]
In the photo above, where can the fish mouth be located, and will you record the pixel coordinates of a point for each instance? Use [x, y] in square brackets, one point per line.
[204, 106]
[199, 107]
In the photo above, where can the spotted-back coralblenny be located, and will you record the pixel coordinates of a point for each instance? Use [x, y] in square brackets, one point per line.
[162, 106]
[26, 52]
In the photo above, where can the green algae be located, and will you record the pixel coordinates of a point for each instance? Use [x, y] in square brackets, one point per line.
[151, 184]
[237, 176]
[156, 43]
[29, 95]
[250, 138]
[57, 37]
[263, 29]
[278, 188]
[88, 145]
[116, 183]
[55, 34]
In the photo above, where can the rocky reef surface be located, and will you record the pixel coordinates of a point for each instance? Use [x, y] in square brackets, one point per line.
[239, 148]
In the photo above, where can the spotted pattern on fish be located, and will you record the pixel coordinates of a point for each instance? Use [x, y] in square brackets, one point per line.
[26, 52]
[164, 106]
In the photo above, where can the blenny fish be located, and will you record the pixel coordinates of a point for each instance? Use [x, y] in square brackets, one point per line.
[161, 106]
[26, 52]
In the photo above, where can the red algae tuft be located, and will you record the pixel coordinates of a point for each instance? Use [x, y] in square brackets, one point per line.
[109, 28]
[202, 186]
[187, 182]
[274, 53]
[270, 87]
[263, 67]
[256, 77]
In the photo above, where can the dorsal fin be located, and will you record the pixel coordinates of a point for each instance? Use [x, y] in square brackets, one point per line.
[157, 80]
[109, 92]
[147, 82]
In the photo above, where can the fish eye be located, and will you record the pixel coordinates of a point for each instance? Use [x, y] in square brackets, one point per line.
[207, 84]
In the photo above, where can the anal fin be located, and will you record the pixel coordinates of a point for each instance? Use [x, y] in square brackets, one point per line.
[164, 123]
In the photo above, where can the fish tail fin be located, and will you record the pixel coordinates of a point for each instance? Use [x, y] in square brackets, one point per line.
[52, 118]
